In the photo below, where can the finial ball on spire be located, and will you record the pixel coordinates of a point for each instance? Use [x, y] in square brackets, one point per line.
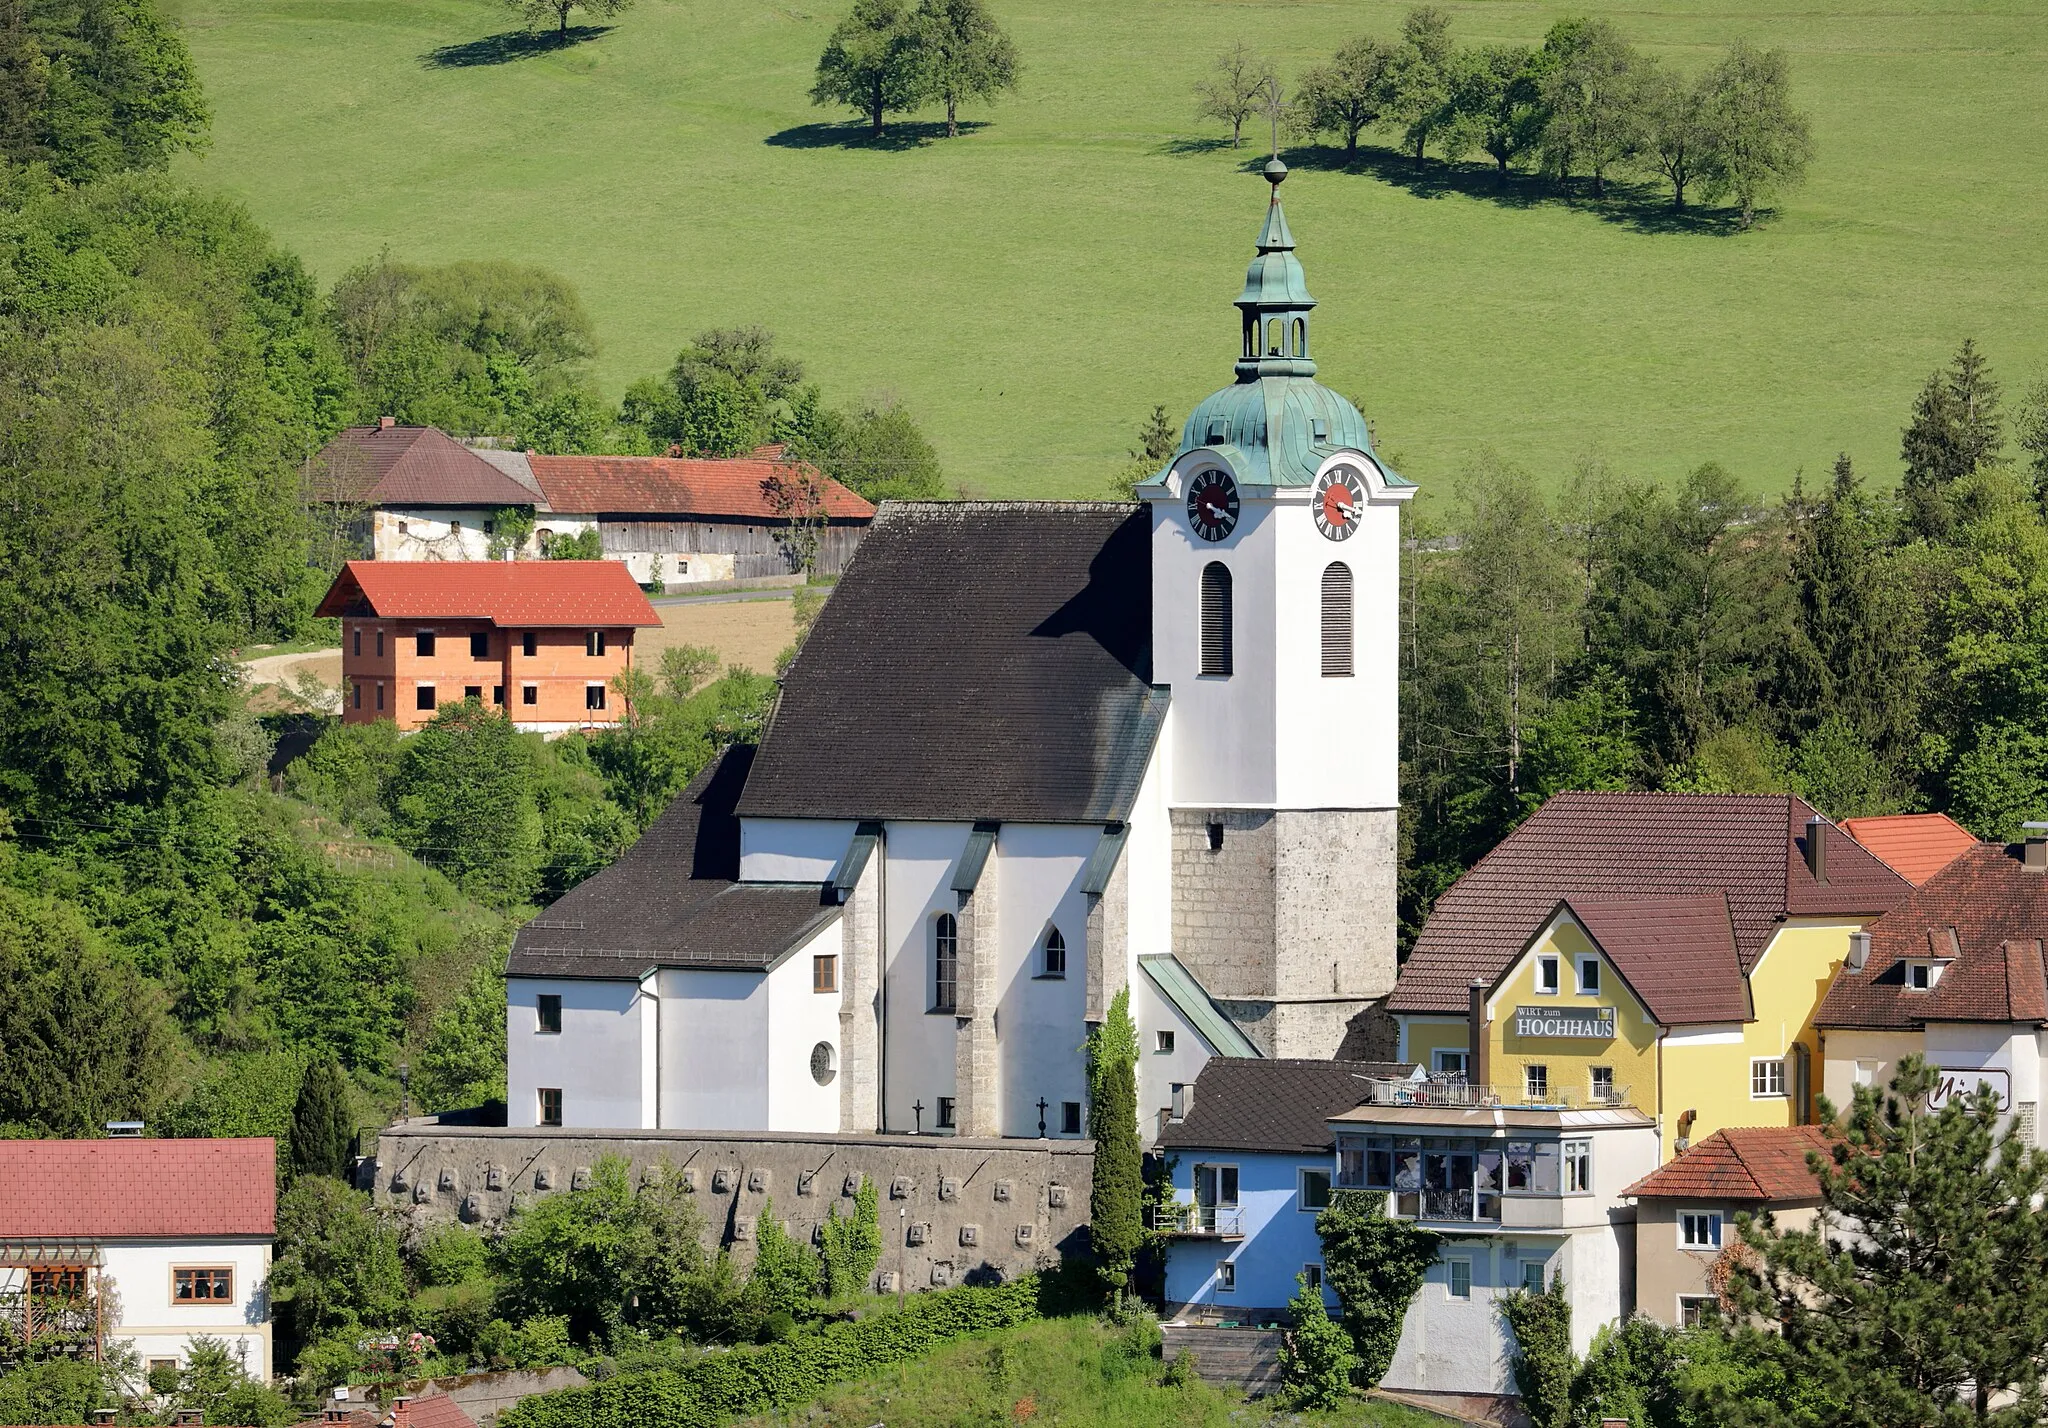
[1276, 172]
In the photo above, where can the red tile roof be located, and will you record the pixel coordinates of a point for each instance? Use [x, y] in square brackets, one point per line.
[676, 486]
[1756, 1164]
[1984, 911]
[137, 1189]
[517, 594]
[1749, 848]
[1916, 846]
[436, 1411]
[1676, 953]
[409, 465]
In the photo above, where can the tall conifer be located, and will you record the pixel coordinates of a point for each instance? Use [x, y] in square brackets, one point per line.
[323, 1128]
[1116, 1199]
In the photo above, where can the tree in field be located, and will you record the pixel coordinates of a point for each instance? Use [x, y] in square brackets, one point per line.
[721, 396]
[323, 1126]
[1237, 90]
[1956, 428]
[967, 55]
[538, 12]
[1679, 141]
[1158, 439]
[1497, 104]
[1348, 95]
[1116, 1198]
[1593, 92]
[1423, 78]
[1917, 1298]
[875, 62]
[1761, 143]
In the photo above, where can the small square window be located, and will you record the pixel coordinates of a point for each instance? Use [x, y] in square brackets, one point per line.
[455, 527]
[945, 1113]
[1699, 1230]
[825, 974]
[529, 694]
[1697, 1309]
[593, 696]
[1459, 1277]
[1767, 1078]
[480, 645]
[550, 1106]
[1589, 976]
[1070, 1117]
[1314, 1190]
[1312, 1277]
[423, 697]
[423, 643]
[593, 643]
[1546, 976]
[529, 643]
[1162, 1041]
[403, 527]
[497, 694]
[1536, 1083]
[473, 691]
[1226, 1276]
[548, 1008]
[1532, 1276]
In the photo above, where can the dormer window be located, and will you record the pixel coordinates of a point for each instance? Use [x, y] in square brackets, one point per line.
[1922, 976]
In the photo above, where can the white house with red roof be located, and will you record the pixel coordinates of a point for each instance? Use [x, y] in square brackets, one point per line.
[150, 1242]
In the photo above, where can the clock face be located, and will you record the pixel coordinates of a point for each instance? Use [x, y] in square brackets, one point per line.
[1212, 504]
[1339, 501]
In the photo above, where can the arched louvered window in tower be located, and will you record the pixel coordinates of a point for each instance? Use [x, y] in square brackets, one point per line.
[1337, 620]
[1216, 618]
[945, 962]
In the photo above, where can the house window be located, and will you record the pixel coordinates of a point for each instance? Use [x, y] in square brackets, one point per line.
[167, 1366]
[202, 1286]
[1603, 1085]
[1162, 1041]
[1578, 1167]
[1215, 1188]
[1450, 1063]
[423, 643]
[1337, 621]
[593, 643]
[1216, 631]
[548, 1008]
[480, 645]
[1054, 961]
[359, 639]
[1532, 1276]
[529, 694]
[403, 528]
[1312, 1277]
[1312, 1189]
[1546, 976]
[1922, 976]
[380, 696]
[1699, 1229]
[1070, 1117]
[1532, 1167]
[529, 644]
[550, 1105]
[945, 1113]
[423, 697]
[1535, 1083]
[497, 694]
[1215, 835]
[359, 696]
[1589, 976]
[825, 973]
[1697, 1309]
[945, 963]
[1766, 1078]
[380, 644]
[57, 1281]
[593, 696]
[1459, 1277]
[1226, 1276]
[455, 527]
[473, 691]
[1866, 1073]
[1178, 1091]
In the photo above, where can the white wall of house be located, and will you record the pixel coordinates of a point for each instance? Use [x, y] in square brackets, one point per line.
[159, 1327]
[602, 1061]
[1853, 1058]
[800, 1019]
[1454, 1344]
[1148, 861]
[1160, 1071]
[432, 533]
[791, 850]
[714, 1049]
[1036, 868]
[920, 1046]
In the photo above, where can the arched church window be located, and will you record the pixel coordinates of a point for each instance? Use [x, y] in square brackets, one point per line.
[1337, 620]
[1251, 337]
[1301, 337]
[1216, 641]
[945, 962]
[1053, 958]
[1274, 328]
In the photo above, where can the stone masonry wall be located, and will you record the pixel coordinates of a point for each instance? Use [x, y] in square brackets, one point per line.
[952, 1209]
[1223, 901]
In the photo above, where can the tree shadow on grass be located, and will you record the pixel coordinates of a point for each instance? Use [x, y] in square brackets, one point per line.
[855, 134]
[1179, 146]
[1640, 205]
[509, 46]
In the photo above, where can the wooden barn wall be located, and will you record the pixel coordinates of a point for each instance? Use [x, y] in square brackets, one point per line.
[755, 550]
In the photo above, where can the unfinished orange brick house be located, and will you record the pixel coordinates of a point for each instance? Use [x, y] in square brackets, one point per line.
[540, 639]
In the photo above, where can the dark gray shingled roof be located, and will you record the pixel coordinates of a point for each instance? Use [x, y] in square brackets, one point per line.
[1278, 1105]
[674, 900]
[979, 660]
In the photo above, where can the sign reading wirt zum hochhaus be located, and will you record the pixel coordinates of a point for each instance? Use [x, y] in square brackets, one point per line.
[1565, 1023]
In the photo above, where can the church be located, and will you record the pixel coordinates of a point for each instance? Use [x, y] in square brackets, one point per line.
[1032, 754]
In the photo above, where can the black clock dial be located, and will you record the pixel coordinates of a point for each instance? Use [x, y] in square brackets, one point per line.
[1212, 504]
[1339, 500]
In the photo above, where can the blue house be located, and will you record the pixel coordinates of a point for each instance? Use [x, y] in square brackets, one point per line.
[1251, 1158]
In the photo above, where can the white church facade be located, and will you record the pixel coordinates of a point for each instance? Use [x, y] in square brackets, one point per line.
[1032, 754]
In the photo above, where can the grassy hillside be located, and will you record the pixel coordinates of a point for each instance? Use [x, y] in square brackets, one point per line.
[1032, 288]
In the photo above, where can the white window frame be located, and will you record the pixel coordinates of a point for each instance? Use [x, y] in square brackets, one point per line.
[1301, 1174]
[1550, 965]
[1542, 1269]
[1709, 1219]
[1700, 1302]
[1452, 1264]
[1759, 1074]
[1529, 1091]
[1586, 964]
[1593, 1091]
[1226, 1276]
[1219, 1166]
[1163, 1043]
[1570, 1153]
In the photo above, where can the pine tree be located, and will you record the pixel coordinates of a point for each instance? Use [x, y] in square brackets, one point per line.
[1157, 441]
[323, 1129]
[1918, 1297]
[1956, 428]
[1116, 1199]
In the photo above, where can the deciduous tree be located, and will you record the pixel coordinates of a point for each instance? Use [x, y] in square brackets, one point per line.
[1680, 142]
[1374, 1265]
[1348, 95]
[874, 63]
[1593, 92]
[1761, 143]
[1236, 91]
[1423, 77]
[1497, 106]
[538, 12]
[967, 55]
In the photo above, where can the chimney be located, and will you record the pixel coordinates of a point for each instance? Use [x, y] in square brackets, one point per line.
[1475, 1032]
[386, 423]
[2034, 856]
[1817, 848]
[401, 1411]
[190, 1418]
[1859, 951]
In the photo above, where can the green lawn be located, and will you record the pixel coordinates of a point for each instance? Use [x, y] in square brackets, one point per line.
[1030, 289]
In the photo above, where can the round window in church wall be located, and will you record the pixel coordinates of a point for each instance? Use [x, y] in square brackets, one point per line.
[824, 1065]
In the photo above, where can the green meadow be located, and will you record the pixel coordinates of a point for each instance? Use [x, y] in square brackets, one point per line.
[1030, 289]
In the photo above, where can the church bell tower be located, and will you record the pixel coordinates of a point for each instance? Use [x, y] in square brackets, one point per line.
[1275, 603]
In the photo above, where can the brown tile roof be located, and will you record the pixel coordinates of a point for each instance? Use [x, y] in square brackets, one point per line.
[138, 1189]
[1677, 953]
[1916, 846]
[516, 594]
[1754, 1164]
[408, 465]
[1984, 910]
[1748, 847]
[436, 1411]
[1276, 1105]
[677, 486]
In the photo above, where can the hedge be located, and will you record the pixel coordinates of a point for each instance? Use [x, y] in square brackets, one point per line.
[795, 1371]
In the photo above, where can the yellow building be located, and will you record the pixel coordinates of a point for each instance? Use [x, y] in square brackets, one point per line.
[1661, 951]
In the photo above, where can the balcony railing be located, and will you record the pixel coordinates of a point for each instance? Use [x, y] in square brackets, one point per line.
[1457, 1094]
[1224, 1222]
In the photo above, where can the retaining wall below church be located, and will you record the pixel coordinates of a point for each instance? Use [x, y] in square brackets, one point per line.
[952, 1209]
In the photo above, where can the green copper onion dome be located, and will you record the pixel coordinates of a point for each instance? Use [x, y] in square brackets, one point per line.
[1276, 424]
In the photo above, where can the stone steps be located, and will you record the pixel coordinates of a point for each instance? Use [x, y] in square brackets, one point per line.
[1244, 1359]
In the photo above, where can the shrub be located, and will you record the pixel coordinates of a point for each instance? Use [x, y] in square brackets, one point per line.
[1375, 1265]
[852, 1243]
[1317, 1362]
[1544, 1365]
